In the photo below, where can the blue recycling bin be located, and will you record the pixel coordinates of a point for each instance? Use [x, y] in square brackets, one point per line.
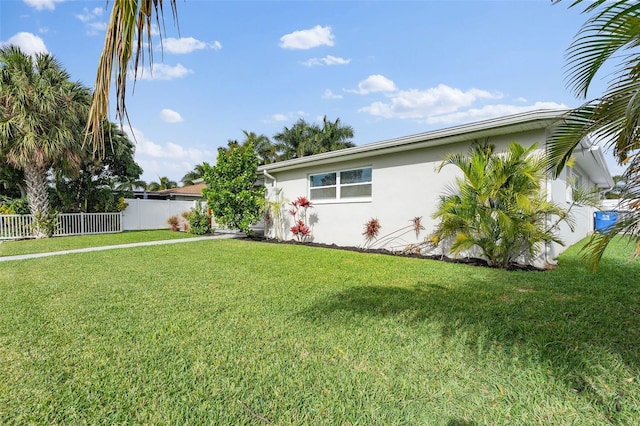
[604, 221]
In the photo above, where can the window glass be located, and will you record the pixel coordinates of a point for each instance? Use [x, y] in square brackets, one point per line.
[355, 176]
[354, 191]
[345, 184]
[324, 179]
[323, 193]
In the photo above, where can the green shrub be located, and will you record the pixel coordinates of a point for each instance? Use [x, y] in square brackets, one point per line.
[199, 220]
[14, 206]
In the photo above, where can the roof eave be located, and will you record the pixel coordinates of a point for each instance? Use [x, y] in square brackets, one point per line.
[497, 126]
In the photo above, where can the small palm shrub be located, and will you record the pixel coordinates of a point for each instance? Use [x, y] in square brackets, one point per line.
[498, 206]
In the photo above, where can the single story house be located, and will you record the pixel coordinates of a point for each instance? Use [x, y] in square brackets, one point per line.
[396, 180]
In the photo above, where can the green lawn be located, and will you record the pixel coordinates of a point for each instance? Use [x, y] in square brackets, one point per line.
[241, 332]
[12, 248]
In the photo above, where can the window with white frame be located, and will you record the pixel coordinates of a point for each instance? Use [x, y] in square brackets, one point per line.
[352, 184]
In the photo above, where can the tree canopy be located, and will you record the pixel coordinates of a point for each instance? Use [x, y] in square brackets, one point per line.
[41, 121]
[303, 139]
[99, 182]
[232, 194]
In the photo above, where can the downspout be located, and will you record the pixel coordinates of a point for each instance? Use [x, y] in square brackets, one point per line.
[266, 174]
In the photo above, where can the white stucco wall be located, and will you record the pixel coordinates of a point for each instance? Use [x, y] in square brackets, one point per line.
[405, 185]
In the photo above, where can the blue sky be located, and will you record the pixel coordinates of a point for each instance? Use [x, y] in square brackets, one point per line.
[387, 68]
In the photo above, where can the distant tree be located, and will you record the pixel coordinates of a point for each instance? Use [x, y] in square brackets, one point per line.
[266, 151]
[196, 173]
[164, 183]
[304, 139]
[41, 114]
[231, 193]
[618, 188]
[297, 141]
[333, 136]
[99, 182]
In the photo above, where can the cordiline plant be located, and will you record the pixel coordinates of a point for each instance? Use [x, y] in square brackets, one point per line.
[498, 206]
[300, 230]
[390, 240]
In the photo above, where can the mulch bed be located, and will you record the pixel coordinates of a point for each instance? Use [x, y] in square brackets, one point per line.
[466, 261]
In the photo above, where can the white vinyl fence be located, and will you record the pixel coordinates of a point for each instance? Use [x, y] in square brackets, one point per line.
[152, 214]
[15, 226]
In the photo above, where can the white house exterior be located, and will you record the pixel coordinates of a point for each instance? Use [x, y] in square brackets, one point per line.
[396, 180]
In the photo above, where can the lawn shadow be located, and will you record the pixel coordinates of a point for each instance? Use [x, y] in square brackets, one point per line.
[561, 319]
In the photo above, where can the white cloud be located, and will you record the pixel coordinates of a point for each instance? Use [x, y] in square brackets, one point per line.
[168, 159]
[187, 45]
[375, 83]
[328, 94]
[490, 111]
[96, 28]
[29, 43]
[420, 104]
[307, 39]
[170, 116]
[327, 60]
[163, 72]
[89, 15]
[43, 4]
[90, 20]
[280, 117]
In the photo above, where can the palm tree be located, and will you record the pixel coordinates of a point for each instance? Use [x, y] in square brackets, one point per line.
[128, 32]
[304, 139]
[196, 173]
[164, 183]
[611, 34]
[497, 206]
[334, 136]
[297, 141]
[40, 124]
[267, 152]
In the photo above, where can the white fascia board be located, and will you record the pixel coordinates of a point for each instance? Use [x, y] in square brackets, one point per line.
[532, 120]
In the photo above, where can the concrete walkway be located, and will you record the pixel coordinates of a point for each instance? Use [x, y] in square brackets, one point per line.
[118, 246]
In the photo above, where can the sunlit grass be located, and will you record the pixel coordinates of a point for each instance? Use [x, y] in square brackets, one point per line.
[11, 248]
[240, 332]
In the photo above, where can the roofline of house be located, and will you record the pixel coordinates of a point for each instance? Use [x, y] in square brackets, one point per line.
[593, 161]
[531, 120]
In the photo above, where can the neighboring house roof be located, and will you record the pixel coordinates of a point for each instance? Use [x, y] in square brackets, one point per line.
[195, 189]
[592, 159]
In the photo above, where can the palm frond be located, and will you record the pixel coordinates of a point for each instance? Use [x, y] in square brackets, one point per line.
[128, 31]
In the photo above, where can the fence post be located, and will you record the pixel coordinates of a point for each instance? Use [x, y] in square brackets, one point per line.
[81, 223]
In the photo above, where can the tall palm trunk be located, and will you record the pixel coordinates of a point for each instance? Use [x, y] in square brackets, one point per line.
[38, 195]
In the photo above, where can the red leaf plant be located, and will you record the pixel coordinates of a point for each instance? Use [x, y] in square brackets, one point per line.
[300, 230]
[371, 230]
